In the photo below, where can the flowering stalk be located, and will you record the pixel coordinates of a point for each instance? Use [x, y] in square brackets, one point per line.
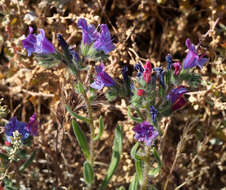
[147, 168]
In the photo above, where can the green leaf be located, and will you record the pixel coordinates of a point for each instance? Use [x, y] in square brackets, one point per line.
[28, 162]
[154, 172]
[136, 119]
[88, 173]
[81, 138]
[76, 115]
[117, 150]
[138, 165]
[157, 157]
[134, 150]
[134, 183]
[101, 128]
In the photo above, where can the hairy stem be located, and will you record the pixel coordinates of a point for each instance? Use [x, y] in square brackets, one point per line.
[147, 168]
[91, 126]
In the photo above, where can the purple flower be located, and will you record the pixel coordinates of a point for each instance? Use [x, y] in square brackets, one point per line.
[145, 132]
[124, 74]
[169, 61]
[154, 113]
[140, 69]
[176, 97]
[15, 125]
[23, 128]
[104, 42]
[37, 43]
[102, 79]
[89, 32]
[32, 125]
[193, 59]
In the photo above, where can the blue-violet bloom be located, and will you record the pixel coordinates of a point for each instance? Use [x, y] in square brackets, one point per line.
[140, 69]
[145, 132]
[124, 74]
[104, 42]
[160, 74]
[169, 61]
[176, 97]
[15, 125]
[89, 32]
[102, 79]
[154, 113]
[37, 43]
[72, 53]
[193, 59]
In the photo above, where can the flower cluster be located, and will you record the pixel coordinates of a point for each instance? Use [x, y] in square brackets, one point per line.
[101, 40]
[145, 132]
[161, 90]
[37, 43]
[24, 129]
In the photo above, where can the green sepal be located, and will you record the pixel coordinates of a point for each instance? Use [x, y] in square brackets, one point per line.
[28, 162]
[88, 173]
[84, 49]
[135, 119]
[134, 183]
[111, 94]
[81, 138]
[73, 114]
[49, 60]
[101, 129]
[117, 150]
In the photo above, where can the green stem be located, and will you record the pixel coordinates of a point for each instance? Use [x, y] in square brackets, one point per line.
[147, 168]
[91, 125]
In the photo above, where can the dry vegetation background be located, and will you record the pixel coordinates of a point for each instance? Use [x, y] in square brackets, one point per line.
[194, 138]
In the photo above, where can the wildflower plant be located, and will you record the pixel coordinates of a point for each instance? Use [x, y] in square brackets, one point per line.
[155, 92]
[18, 136]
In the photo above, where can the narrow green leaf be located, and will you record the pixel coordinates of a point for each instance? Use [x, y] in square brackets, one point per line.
[138, 165]
[157, 157]
[81, 138]
[136, 119]
[28, 162]
[76, 115]
[117, 150]
[88, 173]
[154, 172]
[134, 150]
[101, 128]
[134, 183]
